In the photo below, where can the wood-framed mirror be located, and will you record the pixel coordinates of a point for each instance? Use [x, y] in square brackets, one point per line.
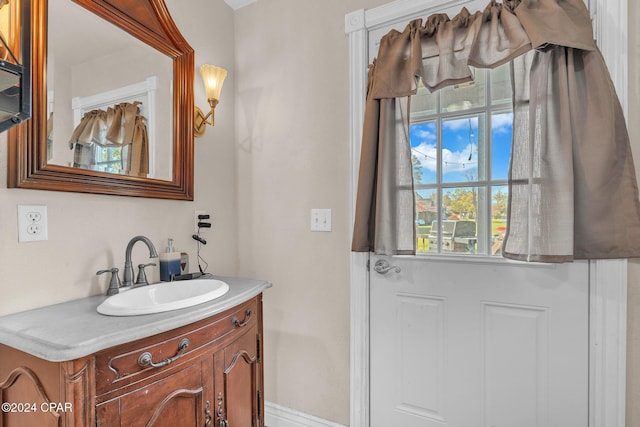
[65, 151]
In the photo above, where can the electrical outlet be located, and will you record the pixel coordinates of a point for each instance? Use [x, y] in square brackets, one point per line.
[32, 223]
[34, 216]
[197, 219]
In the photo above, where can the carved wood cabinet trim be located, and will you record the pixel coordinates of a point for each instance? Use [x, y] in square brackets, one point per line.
[21, 409]
[219, 375]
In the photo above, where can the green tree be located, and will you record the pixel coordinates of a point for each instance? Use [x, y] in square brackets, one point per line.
[462, 202]
[417, 169]
[499, 208]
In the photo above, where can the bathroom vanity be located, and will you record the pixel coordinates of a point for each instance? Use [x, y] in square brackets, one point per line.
[67, 365]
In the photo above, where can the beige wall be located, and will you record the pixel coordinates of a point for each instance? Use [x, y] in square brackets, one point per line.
[90, 232]
[633, 341]
[292, 134]
[288, 95]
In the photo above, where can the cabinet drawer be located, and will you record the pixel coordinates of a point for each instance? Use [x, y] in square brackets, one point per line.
[156, 355]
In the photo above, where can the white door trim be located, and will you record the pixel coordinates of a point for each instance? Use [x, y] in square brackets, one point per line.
[608, 278]
[607, 343]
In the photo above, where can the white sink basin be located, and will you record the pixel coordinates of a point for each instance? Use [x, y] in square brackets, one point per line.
[162, 297]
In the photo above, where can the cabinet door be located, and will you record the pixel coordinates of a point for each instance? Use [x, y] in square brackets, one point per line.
[176, 400]
[238, 397]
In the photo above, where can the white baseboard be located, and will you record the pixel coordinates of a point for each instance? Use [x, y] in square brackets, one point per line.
[279, 416]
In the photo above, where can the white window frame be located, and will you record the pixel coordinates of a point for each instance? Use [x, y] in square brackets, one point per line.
[608, 278]
[484, 186]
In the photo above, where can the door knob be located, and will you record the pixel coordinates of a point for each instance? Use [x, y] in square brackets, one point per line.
[382, 266]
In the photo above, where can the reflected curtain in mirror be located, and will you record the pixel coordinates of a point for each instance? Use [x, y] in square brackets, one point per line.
[122, 128]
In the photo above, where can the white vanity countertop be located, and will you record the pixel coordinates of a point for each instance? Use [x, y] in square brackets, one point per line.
[75, 329]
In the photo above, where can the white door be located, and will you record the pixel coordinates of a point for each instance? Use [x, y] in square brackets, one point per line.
[470, 344]
[467, 341]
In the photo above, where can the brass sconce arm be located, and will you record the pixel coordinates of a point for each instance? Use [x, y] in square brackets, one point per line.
[201, 120]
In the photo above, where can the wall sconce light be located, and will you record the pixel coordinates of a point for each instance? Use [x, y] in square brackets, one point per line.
[213, 78]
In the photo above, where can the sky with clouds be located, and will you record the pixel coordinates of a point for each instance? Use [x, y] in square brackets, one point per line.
[460, 147]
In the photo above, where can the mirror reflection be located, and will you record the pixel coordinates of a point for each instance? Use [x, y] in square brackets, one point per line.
[15, 50]
[109, 97]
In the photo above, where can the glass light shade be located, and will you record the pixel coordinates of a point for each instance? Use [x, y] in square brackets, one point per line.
[213, 77]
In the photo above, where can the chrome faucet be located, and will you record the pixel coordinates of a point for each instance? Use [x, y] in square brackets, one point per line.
[128, 266]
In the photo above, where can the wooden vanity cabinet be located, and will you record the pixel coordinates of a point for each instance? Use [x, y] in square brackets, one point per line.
[176, 400]
[216, 379]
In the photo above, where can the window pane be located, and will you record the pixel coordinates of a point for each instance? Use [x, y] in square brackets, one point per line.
[458, 231]
[498, 217]
[466, 95]
[457, 235]
[423, 103]
[501, 132]
[462, 145]
[424, 152]
[460, 203]
[501, 84]
[426, 213]
[108, 159]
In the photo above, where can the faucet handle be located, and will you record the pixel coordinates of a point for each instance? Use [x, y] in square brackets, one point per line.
[142, 276]
[114, 283]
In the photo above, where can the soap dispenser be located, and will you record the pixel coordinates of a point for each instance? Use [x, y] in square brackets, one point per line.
[169, 263]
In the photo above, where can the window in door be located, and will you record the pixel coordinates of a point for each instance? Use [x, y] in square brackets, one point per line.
[461, 145]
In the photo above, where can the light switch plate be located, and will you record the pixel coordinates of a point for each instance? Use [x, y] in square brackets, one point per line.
[320, 219]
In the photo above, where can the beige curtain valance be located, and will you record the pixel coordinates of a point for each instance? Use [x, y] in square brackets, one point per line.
[573, 191]
[119, 126]
[441, 51]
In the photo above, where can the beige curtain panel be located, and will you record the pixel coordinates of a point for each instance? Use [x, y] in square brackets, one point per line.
[572, 186]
